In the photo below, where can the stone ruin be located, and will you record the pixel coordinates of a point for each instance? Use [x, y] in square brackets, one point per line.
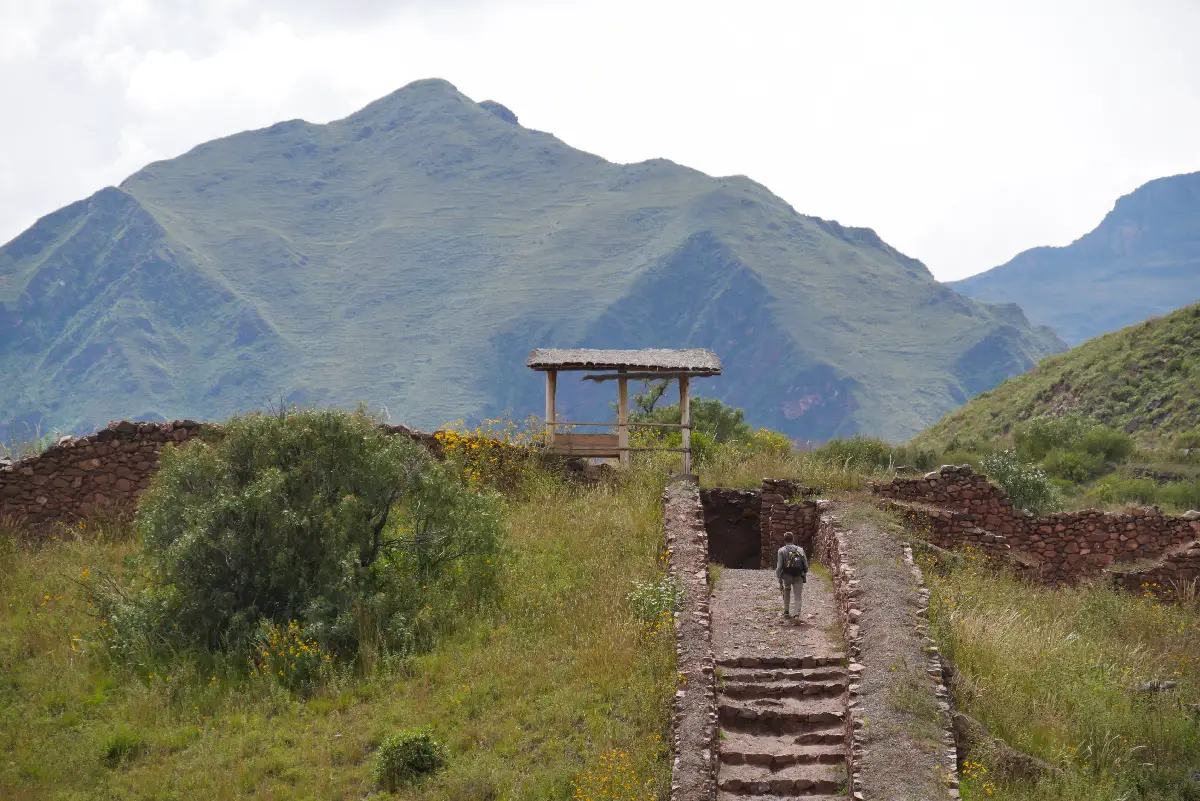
[1135, 549]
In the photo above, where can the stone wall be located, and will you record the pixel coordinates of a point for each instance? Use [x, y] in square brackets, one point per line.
[105, 472]
[731, 518]
[957, 488]
[959, 508]
[778, 515]
[829, 549]
[694, 772]
[1176, 575]
[102, 473]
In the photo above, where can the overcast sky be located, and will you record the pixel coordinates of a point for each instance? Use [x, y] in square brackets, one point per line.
[962, 131]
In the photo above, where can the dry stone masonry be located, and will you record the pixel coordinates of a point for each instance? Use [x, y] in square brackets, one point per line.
[731, 517]
[781, 512]
[959, 508]
[77, 478]
[693, 775]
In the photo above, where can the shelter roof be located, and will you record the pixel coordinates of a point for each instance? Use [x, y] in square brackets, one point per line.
[690, 360]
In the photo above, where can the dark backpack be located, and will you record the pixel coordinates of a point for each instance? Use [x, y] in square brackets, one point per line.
[794, 563]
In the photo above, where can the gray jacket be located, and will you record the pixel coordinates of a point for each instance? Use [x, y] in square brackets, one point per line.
[779, 574]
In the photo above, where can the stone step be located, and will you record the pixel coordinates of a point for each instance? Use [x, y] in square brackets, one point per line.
[785, 674]
[782, 715]
[777, 759]
[724, 796]
[795, 689]
[795, 780]
[809, 661]
[744, 740]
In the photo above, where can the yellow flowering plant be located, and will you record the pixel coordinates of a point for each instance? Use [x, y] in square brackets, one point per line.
[285, 655]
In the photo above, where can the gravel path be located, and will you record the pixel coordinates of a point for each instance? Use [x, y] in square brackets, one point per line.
[904, 759]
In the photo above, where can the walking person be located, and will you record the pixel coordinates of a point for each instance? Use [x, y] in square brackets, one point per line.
[791, 568]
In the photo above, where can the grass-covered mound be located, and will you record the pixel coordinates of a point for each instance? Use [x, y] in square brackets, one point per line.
[1144, 380]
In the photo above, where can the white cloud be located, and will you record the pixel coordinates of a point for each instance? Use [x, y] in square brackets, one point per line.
[962, 132]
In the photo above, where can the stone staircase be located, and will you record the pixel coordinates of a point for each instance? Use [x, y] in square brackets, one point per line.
[782, 727]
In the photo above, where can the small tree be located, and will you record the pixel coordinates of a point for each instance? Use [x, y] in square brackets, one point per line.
[317, 517]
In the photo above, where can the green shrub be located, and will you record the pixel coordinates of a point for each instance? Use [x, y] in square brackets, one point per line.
[1075, 466]
[406, 756]
[861, 452]
[1178, 496]
[310, 516]
[1037, 437]
[1027, 485]
[922, 459]
[1188, 439]
[1107, 444]
[1119, 489]
[1183, 495]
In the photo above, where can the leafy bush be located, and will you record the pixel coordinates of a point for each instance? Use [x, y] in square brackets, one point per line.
[406, 756]
[715, 427]
[1180, 495]
[1027, 485]
[1076, 466]
[1037, 437]
[1108, 444]
[765, 440]
[316, 517]
[860, 452]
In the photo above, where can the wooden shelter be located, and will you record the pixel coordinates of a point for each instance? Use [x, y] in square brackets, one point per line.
[621, 366]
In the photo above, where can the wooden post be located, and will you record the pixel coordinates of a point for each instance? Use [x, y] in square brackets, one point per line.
[551, 384]
[685, 419]
[623, 417]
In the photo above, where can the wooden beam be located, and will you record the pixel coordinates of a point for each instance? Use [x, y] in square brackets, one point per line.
[649, 376]
[632, 424]
[551, 418]
[623, 418]
[685, 420]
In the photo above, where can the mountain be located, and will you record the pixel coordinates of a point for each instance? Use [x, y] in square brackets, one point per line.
[1144, 379]
[412, 254]
[1142, 260]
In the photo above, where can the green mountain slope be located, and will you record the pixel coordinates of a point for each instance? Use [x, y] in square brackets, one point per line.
[1144, 379]
[1142, 260]
[412, 254]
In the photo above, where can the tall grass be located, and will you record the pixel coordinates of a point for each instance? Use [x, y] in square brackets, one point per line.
[531, 700]
[1061, 675]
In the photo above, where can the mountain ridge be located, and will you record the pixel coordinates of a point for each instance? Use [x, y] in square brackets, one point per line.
[1141, 261]
[411, 254]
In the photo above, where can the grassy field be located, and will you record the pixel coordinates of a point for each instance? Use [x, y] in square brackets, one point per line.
[557, 694]
[1062, 675]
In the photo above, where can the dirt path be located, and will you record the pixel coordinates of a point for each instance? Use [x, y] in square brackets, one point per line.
[904, 737]
[781, 690]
